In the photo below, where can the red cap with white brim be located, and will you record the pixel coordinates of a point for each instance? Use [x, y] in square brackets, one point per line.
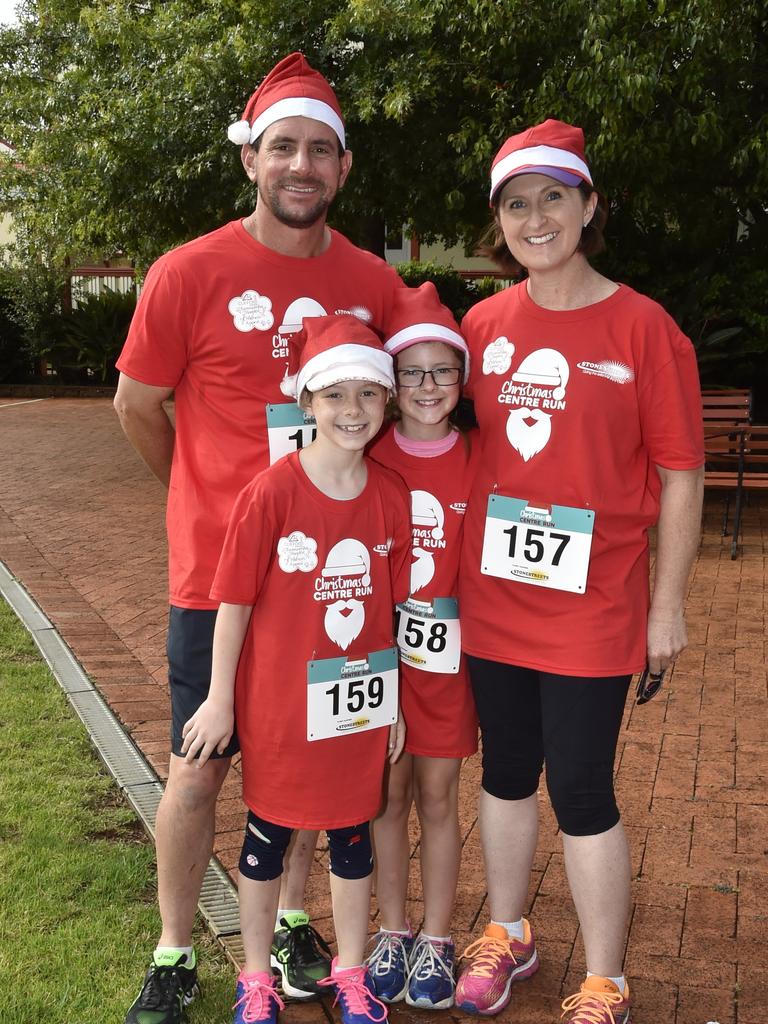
[553, 148]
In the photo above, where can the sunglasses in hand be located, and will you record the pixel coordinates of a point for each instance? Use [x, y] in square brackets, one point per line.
[648, 685]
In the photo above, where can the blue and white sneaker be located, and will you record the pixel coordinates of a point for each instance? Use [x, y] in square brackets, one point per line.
[388, 965]
[256, 999]
[431, 982]
[355, 995]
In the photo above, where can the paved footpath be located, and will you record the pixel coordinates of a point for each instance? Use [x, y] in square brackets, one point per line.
[81, 525]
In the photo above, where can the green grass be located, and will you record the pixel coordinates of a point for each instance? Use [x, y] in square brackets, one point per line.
[78, 918]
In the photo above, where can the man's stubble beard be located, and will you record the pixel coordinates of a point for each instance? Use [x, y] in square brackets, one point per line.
[306, 218]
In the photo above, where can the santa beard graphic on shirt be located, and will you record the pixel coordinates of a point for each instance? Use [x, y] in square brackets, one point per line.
[422, 569]
[528, 438]
[344, 621]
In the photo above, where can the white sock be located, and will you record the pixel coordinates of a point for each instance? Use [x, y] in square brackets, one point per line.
[397, 931]
[343, 970]
[620, 982]
[436, 938]
[515, 929]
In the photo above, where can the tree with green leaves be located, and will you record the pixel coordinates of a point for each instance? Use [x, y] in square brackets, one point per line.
[118, 110]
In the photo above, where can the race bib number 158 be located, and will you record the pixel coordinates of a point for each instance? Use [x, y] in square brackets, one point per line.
[429, 635]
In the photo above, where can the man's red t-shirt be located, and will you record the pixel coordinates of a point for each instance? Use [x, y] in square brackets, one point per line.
[213, 322]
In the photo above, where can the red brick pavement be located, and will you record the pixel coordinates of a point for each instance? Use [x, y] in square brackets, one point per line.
[81, 524]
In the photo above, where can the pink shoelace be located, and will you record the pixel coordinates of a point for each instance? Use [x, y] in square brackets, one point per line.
[255, 1000]
[351, 985]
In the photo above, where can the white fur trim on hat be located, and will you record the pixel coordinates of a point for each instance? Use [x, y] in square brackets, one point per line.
[537, 156]
[298, 106]
[415, 333]
[346, 362]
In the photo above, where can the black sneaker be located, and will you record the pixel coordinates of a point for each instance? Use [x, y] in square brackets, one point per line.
[300, 956]
[167, 989]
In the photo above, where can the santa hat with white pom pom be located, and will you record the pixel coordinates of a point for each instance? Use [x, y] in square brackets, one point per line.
[291, 89]
[331, 349]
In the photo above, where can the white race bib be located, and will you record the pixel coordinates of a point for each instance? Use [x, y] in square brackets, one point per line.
[289, 429]
[543, 546]
[346, 697]
[429, 634]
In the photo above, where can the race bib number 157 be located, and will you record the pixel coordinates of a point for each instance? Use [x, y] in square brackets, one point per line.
[545, 546]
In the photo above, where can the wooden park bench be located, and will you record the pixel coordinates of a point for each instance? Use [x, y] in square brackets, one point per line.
[724, 407]
[737, 462]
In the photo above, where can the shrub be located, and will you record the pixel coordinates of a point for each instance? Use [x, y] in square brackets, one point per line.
[16, 358]
[455, 291]
[88, 340]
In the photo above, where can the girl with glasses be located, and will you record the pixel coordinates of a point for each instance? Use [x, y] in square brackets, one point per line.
[431, 363]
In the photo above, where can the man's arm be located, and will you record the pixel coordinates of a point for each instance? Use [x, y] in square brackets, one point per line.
[677, 540]
[146, 424]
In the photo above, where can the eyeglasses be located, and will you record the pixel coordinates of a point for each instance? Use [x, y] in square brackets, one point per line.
[648, 685]
[443, 376]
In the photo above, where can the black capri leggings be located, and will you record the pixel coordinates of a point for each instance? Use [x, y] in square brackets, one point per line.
[571, 723]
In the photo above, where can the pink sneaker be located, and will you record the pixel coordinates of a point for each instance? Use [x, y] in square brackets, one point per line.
[256, 999]
[355, 995]
[496, 961]
[598, 1001]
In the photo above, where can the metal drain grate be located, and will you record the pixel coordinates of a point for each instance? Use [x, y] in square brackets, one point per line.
[61, 661]
[124, 761]
[17, 597]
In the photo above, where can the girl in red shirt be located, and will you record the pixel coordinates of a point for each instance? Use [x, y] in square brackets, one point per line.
[434, 460]
[316, 554]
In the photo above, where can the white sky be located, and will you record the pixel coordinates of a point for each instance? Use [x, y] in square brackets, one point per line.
[7, 11]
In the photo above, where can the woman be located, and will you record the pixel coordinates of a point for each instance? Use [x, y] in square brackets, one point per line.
[587, 398]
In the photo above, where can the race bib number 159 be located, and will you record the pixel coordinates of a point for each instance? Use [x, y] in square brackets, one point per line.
[346, 697]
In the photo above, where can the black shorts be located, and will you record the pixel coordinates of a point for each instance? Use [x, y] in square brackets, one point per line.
[190, 649]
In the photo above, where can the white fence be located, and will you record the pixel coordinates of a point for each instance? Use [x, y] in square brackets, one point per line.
[84, 282]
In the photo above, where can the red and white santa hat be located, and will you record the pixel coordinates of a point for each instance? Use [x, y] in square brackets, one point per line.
[291, 89]
[553, 148]
[419, 315]
[331, 349]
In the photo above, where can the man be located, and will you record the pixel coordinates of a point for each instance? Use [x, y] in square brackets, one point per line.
[212, 328]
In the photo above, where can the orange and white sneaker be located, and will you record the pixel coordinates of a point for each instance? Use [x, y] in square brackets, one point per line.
[598, 1001]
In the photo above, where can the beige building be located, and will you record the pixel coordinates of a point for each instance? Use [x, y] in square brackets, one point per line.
[402, 248]
[6, 232]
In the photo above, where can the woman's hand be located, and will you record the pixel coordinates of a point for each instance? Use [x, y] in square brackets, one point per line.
[667, 637]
